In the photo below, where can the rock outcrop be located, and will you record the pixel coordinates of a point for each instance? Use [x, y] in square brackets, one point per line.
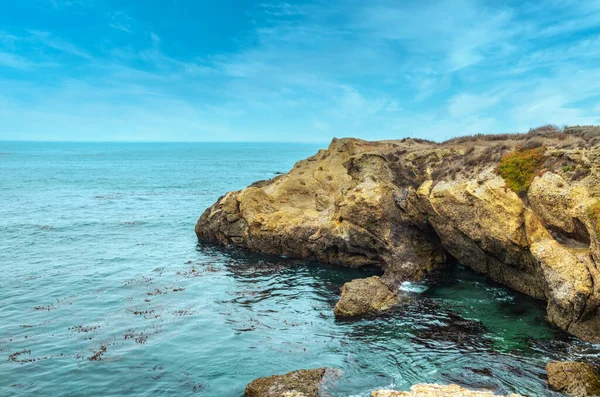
[531, 224]
[304, 382]
[573, 378]
[308, 382]
[433, 390]
[365, 295]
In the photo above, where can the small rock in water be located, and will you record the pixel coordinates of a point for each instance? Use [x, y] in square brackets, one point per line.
[363, 296]
[433, 390]
[573, 378]
[301, 383]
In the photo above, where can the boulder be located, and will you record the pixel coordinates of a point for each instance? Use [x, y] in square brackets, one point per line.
[573, 378]
[301, 383]
[433, 390]
[363, 296]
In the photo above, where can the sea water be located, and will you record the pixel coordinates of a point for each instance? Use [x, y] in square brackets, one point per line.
[105, 290]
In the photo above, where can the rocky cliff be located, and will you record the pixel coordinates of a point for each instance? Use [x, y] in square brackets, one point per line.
[522, 209]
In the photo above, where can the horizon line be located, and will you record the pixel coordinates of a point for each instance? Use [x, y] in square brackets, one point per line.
[66, 141]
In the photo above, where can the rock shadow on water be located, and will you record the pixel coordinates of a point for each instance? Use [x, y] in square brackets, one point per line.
[453, 330]
[565, 347]
[281, 272]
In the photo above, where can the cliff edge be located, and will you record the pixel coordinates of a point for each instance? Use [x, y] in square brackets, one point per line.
[521, 209]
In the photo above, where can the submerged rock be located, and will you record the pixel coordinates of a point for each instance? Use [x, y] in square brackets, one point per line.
[573, 378]
[405, 205]
[433, 390]
[301, 383]
[454, 329]
[365, 295]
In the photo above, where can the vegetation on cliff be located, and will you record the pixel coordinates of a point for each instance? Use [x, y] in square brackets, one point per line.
[520, 167]
[594, 214]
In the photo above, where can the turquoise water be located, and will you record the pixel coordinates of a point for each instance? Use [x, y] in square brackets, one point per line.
[106, 291]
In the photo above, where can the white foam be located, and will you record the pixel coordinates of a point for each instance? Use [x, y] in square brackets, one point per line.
[417, 288]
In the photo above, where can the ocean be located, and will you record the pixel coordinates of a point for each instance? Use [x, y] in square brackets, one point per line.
[105, 290]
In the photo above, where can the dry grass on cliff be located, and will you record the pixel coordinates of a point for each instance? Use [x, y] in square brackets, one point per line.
[482, 151]
[517, 157]
[583, 131]
[545, 131]
[587, 133]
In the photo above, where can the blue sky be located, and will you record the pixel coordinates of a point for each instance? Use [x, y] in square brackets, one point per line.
[193, 70]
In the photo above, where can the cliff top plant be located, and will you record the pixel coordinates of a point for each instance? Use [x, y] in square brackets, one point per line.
[518, 168]
[594, 210]
[549, 131]
[594, 213]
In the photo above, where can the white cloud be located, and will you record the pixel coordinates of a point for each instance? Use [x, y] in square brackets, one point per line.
[120, 21]
[155, 39]
[463, 105]
[282, 9]
[457, 32]
[58, 44]
[319, 125]
[76, 110]
[352, 104]
[393, 106]
[14, 61]
[379, 69]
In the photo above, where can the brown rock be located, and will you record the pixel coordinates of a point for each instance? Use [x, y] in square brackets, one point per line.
[432, 390]
[573, 378]
[301, 383]
[365, 295]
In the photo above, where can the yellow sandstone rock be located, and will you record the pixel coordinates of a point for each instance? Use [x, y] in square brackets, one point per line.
[364, 296]
[405, 205]
[433, 390]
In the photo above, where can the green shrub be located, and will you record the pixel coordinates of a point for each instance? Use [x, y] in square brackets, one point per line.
[568, 168]
[594, 214]
[594, 210]
[520, 167]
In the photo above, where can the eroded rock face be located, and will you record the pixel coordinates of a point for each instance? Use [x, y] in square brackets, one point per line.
[301, 383]
[433, 390]
[336, 207]
[406, 205]
[573, 378]
[363, 296]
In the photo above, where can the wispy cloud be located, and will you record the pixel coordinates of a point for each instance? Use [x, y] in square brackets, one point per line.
[14, 61]
[47, 39]
[120, 21]
[462, 105]
[300, 71]
[282, 9]
[458, 33]
[353, 105]
[127, 112]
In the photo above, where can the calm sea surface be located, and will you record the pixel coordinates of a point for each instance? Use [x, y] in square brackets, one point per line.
[105, 290]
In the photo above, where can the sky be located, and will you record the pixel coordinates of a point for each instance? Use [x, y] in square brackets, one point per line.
[204, 70]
